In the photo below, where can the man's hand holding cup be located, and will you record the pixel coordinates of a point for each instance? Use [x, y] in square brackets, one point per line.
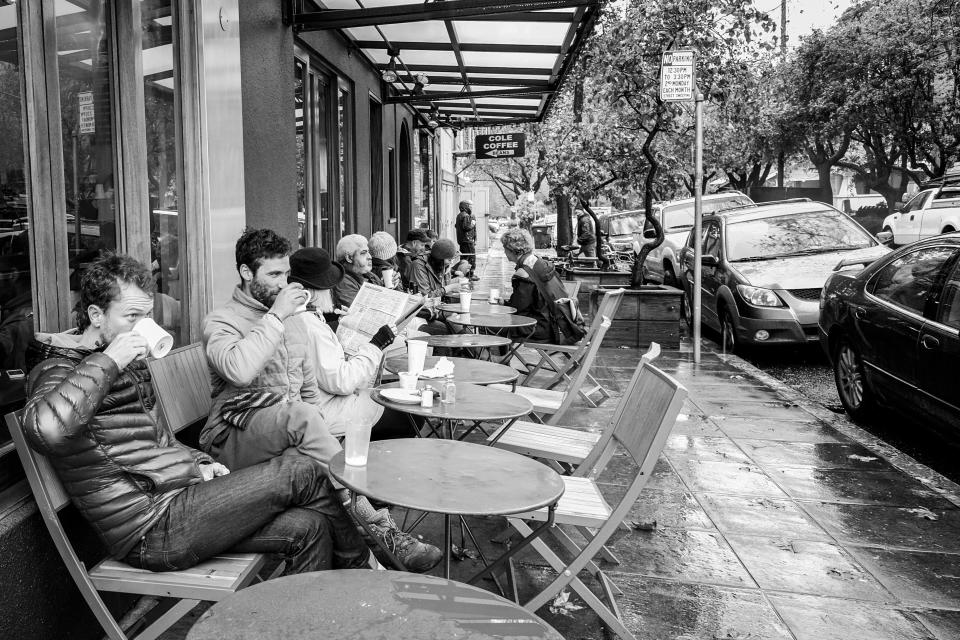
[126, 348]
[291, 297]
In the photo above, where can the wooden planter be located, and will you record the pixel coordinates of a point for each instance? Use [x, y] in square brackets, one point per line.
[648, 314]
[593, 278]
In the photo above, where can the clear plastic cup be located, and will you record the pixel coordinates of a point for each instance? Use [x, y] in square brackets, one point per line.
[408, 381]
[356, 443]
[416, 355]
[465, 298]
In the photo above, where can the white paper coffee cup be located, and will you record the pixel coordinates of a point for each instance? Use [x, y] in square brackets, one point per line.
[494, 296]
[416, 355]
[159, 342]
[465, 298]
[388, 278]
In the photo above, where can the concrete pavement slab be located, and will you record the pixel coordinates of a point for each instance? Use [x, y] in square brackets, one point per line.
[900, 527]
[760, 517]
[806, 566]
[818, 618]
[892, 488]
[659, 507]
[945, 625]
[727, 477]
[915, 577]
[823, 455]
[714, 448]
[796, 428]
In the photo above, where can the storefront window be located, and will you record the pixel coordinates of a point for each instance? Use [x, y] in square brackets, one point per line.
[161, 98]
[345, 138]
[84, 69]
[426, 180]
[300, 114]
[16, 301]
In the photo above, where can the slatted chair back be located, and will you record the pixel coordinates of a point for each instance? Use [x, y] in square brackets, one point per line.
[181, 382]
[642, 425]
[582, 371]
[573, 288]
[211, 580]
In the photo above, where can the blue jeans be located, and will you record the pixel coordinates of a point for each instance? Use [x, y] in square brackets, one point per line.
[285, 506]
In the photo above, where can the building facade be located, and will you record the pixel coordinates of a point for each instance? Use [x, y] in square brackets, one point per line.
[161, 128]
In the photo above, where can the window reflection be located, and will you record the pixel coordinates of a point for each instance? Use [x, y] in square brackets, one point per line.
[84, 69]
[16, 300]
[160, 94]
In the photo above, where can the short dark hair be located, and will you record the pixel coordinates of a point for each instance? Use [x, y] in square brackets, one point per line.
[417, 235]
[100, 282]
[432, 234]
[257, 245]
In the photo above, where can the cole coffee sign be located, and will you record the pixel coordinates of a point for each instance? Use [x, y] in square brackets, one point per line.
[500, 145]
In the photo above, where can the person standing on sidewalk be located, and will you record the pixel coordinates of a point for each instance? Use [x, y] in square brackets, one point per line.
[466, 226]
[586, 235]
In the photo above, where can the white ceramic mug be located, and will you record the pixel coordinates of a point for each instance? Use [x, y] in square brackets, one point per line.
[465, 297]
[416, 354]
[159, 342]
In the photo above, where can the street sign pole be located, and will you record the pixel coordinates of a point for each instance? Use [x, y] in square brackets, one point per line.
[697, 227]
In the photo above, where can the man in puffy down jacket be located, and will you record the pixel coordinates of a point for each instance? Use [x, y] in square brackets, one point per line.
[154, 502]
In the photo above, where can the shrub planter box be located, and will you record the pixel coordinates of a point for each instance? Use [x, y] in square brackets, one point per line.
[593, 278]
[648, 314]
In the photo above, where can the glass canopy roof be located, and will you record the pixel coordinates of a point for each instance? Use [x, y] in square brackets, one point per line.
[465, 62]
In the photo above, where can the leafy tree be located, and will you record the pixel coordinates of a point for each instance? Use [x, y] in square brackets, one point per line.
[617, 132]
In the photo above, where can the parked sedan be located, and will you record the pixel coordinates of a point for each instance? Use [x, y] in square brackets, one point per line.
[892, 332]
[764, 268]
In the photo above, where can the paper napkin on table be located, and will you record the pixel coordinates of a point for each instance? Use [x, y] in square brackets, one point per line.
[443, 368]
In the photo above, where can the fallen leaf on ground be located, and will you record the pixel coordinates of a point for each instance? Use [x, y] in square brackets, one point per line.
[923, 512]
[460, 553]
[561, 605]
[854, 456]
[643, 525]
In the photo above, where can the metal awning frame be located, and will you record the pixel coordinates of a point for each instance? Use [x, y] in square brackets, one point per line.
[513, 84]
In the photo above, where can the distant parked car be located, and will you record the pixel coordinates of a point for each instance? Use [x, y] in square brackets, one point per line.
[764, 268]
[620, 226]
[892, 332]
[928, 213]
[676, 217]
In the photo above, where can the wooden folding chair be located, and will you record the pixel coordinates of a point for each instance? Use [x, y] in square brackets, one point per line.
[181, 382]
[563, 360]
[564, 448]
[641, 424]
[212, 580]
[573, 288]
[555, 403]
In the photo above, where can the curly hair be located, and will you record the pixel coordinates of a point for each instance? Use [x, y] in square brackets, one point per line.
[257, 245]
[517, 240]
[100, 282]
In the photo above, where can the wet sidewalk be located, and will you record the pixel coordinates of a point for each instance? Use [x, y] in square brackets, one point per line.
[770, 517]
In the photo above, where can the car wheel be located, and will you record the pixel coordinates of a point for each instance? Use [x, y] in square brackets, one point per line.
[855, 396]
[669, 277]
[728, 332]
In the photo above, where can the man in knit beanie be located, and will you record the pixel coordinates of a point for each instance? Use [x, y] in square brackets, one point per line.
[383, 249]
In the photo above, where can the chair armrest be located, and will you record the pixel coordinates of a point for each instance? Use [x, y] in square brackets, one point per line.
[553, 348]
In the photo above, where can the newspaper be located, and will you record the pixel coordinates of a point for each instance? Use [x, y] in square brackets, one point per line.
[374, 307]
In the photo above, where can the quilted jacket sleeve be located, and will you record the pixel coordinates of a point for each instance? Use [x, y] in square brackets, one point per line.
[64, 398]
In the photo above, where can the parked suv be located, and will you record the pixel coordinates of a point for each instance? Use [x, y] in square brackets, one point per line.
[764, 267]
[892, 332]
[676, 217]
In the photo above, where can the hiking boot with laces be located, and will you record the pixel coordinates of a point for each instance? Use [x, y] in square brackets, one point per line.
[415, 555]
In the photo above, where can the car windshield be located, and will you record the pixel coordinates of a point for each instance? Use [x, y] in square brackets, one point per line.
[680, 216]
[625, 225]
[794, 234]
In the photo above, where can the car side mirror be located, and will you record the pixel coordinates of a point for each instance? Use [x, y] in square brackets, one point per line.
[709, 261]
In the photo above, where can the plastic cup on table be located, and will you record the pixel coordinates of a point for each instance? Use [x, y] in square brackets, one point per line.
[416, 355]
[408, 381]
[494, 296]
[465, 297]
[356, 443]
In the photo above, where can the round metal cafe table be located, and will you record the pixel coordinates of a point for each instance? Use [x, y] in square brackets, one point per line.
[479, 306]
[466, 370]
[455, 479]
[473, 344]
[520, 328]
[359, 604]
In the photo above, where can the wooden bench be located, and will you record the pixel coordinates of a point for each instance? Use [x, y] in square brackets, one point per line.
[212, 580]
